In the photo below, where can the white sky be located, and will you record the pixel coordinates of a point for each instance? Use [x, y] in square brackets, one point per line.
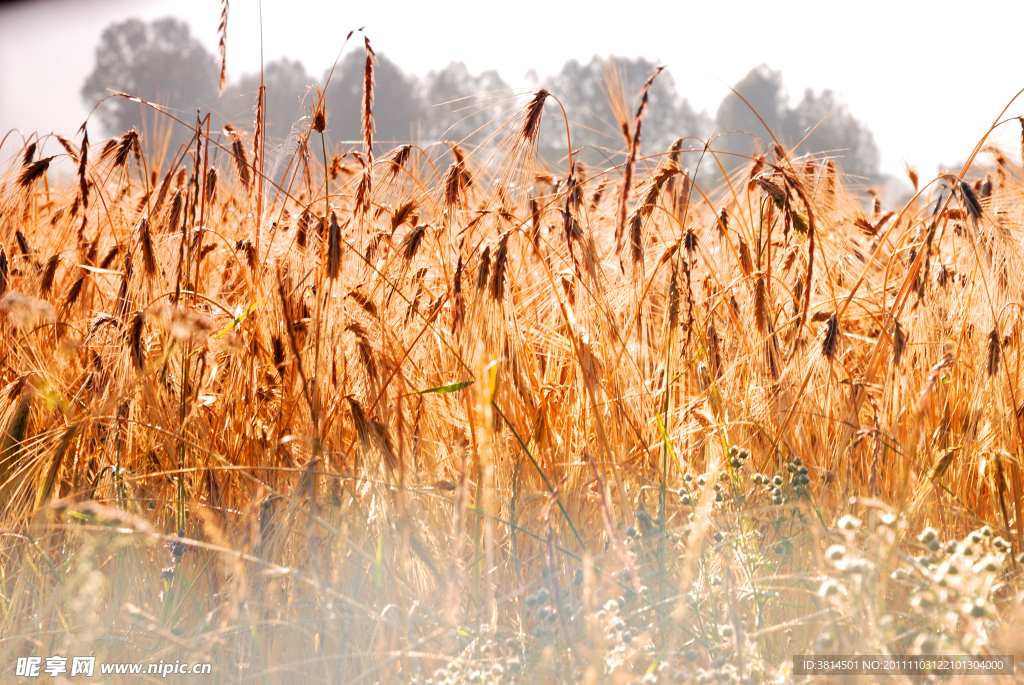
[928, 78]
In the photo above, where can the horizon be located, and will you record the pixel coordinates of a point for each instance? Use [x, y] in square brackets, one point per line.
[935, 130]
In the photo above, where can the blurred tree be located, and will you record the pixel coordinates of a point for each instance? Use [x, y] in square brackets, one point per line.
[600, 95]
[838, 132]
[463, 107]
[763, 89]
[287, 84]
[835, 132]
[397, 108]
[159, 62]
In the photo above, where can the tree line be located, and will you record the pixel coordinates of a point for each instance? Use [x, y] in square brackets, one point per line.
[163, 62]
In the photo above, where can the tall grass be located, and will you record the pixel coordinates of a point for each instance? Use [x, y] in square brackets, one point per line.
[414, 417]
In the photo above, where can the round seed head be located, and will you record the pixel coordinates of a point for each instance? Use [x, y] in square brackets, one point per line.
[835, 552]
[977, 608]
[849, 522]
[927, 644]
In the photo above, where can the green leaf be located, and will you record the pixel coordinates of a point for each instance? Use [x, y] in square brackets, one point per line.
[444, 389]
[239, 318]
[798, 223]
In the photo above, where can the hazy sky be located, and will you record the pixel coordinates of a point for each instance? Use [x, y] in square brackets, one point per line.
[928, 78]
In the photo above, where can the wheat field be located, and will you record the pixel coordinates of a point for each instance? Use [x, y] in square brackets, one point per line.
[452, 414]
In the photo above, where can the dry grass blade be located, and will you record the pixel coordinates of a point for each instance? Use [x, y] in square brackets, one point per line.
[119, 149]
[367, 104]
[405, 213]
[83, 182]
[761, 315]
[333, 248]
[830, 343]
[911, 172]
[73, 154]
[498, 273]
[4, 271]
[484, 269]
[175, 213]
[634, 148]
[673, 300]
[238, 153]
[222, 46]
[970, 200]
[1021, 120]
[650, 192]
[453, 188]
[49, 273]
[993, 353]
[529, 131]
[714, 350]
[32, 172]
[74, 292]
[16, 429]
[410, 245]
[259, 124]
[899, 344]
[364, 189]
[397, 159]
[135, 341]
[211, 185]
[943, 464]
[745, 260]
[26, 250]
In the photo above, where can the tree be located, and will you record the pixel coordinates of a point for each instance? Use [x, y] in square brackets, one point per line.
[287, 85]
[824, 119]
[462, 107]
[159, 62]
[762, 88]
[834, 131]
[397, 107]
[589, 93]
